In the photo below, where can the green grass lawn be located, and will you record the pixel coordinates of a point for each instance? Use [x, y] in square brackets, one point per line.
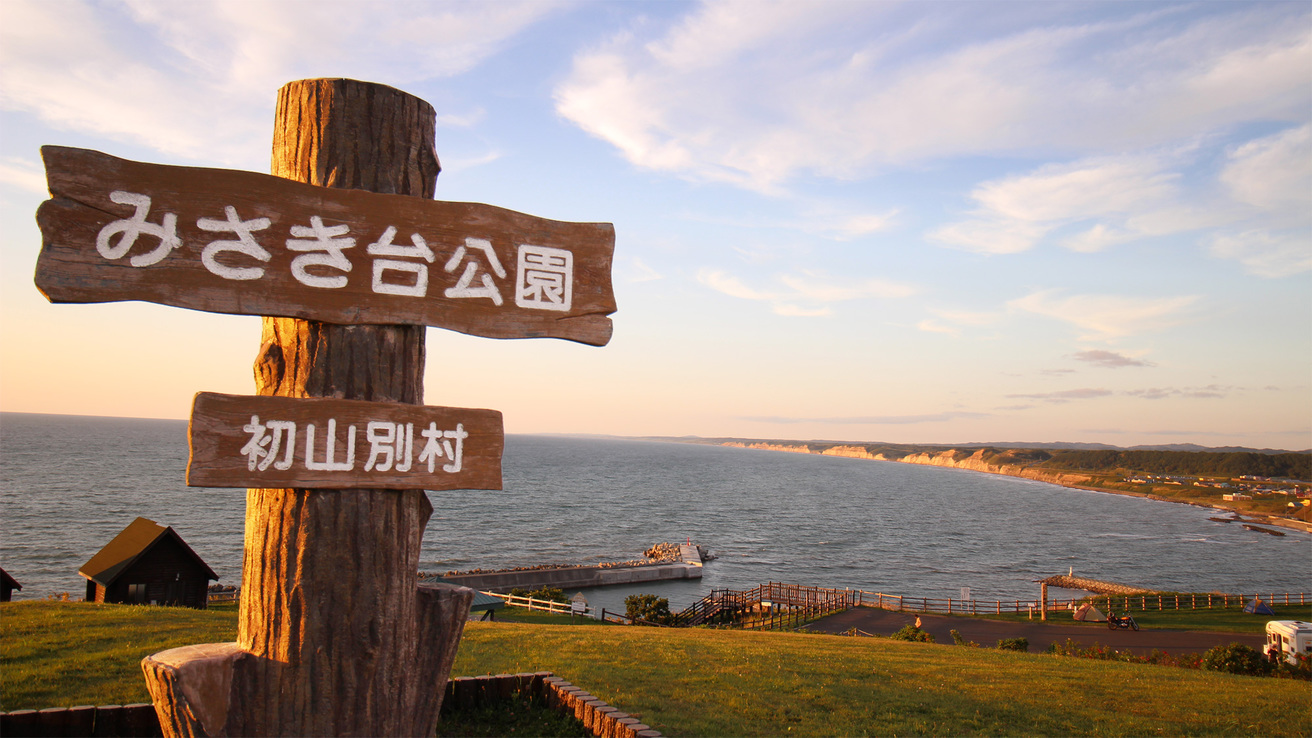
[693, 682]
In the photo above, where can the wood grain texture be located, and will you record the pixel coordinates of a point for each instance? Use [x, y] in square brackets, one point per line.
[217, 437]
[343, 642]
[71, 268]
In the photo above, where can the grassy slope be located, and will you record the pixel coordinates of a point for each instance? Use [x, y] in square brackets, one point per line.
[702, 682]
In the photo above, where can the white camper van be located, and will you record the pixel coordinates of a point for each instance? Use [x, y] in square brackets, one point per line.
[1284, 638]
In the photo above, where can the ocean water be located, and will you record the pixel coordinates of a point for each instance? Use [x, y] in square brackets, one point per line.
[69, 484]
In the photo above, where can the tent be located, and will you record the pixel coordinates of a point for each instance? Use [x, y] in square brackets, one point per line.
[1258, 607]
[1087, 612]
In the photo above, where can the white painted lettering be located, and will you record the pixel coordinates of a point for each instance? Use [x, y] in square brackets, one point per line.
[320, 238]
[544, 278]
[328, 464]
[245, 244]
[166, 231]
[465, 285]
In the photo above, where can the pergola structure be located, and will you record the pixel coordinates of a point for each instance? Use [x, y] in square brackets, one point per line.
[1096, 586]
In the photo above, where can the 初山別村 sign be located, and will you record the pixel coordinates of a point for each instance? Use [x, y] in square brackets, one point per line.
[229, 241]
[316, 443]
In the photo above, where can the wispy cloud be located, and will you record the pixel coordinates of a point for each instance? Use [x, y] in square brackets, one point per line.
[872, 419]
[1108, 359]
[952, 322]
[23, 174]
[1211, 391]
[152, 71]
[1107, 317]
[805, 294]
[1061, 396]
[737, 91]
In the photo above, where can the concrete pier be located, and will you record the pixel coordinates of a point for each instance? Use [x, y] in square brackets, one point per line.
[579, 577]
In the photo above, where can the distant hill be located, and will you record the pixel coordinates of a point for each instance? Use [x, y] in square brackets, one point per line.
[1098, 458]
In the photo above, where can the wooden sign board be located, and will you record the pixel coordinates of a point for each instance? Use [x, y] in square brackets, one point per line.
[228, 241]
[313, 443]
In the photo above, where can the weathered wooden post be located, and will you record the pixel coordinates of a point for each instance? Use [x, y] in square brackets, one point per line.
[342, 640]
[336, 636]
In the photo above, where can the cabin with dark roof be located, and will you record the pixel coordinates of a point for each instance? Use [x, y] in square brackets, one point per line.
[148, 563]
[7, 586]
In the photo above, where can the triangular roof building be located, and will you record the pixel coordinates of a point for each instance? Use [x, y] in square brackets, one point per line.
[148, 563]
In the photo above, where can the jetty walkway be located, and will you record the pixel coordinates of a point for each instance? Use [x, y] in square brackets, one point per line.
[688, 565]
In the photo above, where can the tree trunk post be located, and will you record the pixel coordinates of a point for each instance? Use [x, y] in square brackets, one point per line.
[335, 635]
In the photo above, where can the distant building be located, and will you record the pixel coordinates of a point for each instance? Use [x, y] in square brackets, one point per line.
[1235, 497]
[148, 563]
[7, 586]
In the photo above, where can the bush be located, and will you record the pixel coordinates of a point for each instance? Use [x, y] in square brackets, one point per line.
[957, 639]
[1236, 658]
[912, 633]
[550, 594]
[1014, 644]
[647, 607]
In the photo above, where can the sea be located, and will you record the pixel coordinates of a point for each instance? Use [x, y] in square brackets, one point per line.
[68, 484]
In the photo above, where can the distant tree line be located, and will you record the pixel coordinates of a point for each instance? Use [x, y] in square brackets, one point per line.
[1190, 463]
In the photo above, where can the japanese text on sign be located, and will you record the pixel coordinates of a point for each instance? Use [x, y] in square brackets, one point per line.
[544, 276]
[390, 446]
[325, 443]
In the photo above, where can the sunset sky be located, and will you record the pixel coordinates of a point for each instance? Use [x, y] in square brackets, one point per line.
[928, 222]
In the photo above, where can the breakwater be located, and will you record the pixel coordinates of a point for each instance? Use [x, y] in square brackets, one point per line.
[687, 565]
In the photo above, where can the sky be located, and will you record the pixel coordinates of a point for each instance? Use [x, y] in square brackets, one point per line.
[921, 222]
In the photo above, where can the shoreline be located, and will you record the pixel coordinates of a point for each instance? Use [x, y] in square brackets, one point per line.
[1070, 480]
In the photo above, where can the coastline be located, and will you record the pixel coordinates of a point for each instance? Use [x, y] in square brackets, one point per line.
[1073, 480]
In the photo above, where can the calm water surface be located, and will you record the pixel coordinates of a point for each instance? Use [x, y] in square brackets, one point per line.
[69, 484]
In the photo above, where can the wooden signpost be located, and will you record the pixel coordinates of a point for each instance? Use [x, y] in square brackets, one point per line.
[335, 635]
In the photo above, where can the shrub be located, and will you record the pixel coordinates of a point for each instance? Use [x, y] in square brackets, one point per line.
[1014, 644]
[647, 607]
[1236, 658]
[1300, 669]
[912, 633]
[960, 641]
[551, 594]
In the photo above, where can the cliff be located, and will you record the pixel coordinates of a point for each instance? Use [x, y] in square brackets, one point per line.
[1009, 462]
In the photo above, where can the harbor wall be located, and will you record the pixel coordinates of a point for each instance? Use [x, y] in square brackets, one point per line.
[574, 577]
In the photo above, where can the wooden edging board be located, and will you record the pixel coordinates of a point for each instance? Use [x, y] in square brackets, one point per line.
[316, 443]
[228, 241]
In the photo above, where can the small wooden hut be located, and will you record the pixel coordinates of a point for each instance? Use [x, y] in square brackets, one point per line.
[7, 586]
[148, 563]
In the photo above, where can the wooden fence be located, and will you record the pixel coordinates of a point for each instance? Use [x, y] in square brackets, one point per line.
[789, 604]
[532, 603]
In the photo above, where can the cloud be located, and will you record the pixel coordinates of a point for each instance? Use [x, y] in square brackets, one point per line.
[23, 174]
[756, 94]
[1273, 177]
[1086, 393]
[635, 270]
[1111, 199]
[1107, 317]
[1273, 173]
[1209, 392]
[956, 320]
[814, 291]
[1108, 359]
[873, 419]
[155, 72]
[1266, 254]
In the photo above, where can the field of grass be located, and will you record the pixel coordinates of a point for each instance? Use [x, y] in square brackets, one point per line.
[60, 654]
[709, 682]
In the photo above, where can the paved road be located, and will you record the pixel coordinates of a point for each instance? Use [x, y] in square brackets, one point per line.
[1039, 633]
